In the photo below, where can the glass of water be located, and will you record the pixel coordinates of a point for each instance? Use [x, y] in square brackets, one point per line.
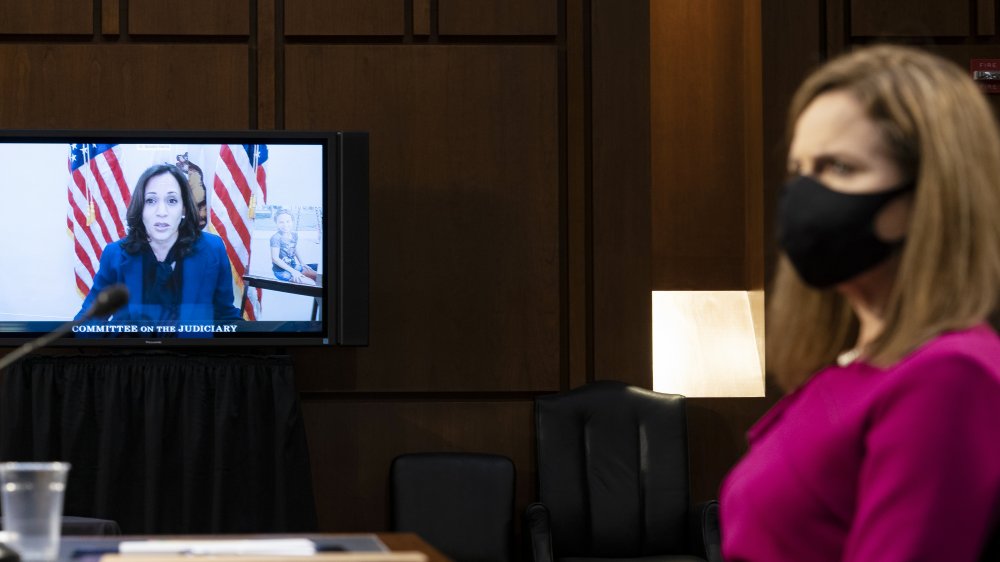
[32, 498]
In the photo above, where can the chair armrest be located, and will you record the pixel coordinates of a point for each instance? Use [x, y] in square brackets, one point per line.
[703, 528]
[538, 530]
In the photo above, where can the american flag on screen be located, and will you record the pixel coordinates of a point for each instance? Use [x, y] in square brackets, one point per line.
[240, 184]
[98, 198]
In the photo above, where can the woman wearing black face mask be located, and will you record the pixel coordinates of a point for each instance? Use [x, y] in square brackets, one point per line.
[887, 446]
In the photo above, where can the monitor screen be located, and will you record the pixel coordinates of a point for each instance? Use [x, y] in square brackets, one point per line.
[218, 238]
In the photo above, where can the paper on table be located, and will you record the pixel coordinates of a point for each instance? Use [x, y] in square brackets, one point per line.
[227, 547]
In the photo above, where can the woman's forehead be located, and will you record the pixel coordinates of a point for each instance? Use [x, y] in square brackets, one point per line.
[835, 122]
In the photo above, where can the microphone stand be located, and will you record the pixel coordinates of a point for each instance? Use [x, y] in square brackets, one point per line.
[108, 301]
[40, 342]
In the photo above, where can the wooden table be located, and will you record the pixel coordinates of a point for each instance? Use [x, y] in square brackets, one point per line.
[412, 541]
[396, 542]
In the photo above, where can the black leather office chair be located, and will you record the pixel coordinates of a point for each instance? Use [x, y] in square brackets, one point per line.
[461, 503]
[613, 479]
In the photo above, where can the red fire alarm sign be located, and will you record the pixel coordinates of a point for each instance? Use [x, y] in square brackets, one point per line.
[986, 73]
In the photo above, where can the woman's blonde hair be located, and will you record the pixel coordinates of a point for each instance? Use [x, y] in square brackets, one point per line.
[943, 133]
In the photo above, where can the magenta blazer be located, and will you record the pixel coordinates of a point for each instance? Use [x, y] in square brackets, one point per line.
[862, 463]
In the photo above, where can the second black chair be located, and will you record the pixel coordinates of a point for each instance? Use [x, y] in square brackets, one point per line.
[613, 479]
[460, 503]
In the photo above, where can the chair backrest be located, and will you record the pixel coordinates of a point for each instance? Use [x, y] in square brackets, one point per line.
[460, 503]
[613, 470]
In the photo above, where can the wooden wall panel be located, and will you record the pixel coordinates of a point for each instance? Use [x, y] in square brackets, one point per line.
[421, 17]
[790, 50]
[717, 438]
[753, 162]
[189, 17]
[498, 17]
[266, 67]
[698, 145]
[578, 258]
[621, 191]
[355, 441]
[909, 18]
[344, 17]
[47, 17]
[464, 206]
[109, 86]
[986, 23]
[708, 219]
[110, 17]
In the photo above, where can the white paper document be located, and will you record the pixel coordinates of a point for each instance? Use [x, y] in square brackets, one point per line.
[228, 547]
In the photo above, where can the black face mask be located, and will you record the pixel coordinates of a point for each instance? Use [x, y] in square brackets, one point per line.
[829, 236]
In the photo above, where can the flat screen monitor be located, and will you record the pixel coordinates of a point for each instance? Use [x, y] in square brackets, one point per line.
[242, 238]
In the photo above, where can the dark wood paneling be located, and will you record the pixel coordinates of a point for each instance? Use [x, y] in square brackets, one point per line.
[498, 17]
[791, 47]
[753, 158]
[110, 17]
[421, 17]
[835, 27]
[909, 18]
[47, 17]
[698, 147]
[189, 17]
[464, 207]
[351, 445]
[717, 438]
[986, 17]
[578, 191]
[106, 86]
[267, 80]
[344, 17]
[621, 191]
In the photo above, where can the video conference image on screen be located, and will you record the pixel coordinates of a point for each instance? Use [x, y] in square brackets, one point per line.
[210, 240]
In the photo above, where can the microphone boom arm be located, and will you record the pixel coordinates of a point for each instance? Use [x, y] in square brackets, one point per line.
[109, 300]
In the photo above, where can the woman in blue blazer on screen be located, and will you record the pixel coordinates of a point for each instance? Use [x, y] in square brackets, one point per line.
[175, 273]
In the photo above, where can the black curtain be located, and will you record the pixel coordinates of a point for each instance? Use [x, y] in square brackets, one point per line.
[166, 443]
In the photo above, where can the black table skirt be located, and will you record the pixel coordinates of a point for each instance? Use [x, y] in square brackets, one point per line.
[166, 443]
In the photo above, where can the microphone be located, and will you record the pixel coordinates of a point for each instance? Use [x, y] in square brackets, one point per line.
[109, 300]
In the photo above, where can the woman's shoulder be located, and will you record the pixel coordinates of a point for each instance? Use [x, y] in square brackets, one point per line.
[115, 250]
[209, 240]
[971, 355]
[976, 342]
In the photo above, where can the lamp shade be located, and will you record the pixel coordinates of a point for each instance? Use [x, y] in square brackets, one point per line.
[708, 343]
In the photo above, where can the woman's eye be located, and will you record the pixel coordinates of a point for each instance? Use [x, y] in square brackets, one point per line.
[172, 200]
[150, 201]
[835, 167]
